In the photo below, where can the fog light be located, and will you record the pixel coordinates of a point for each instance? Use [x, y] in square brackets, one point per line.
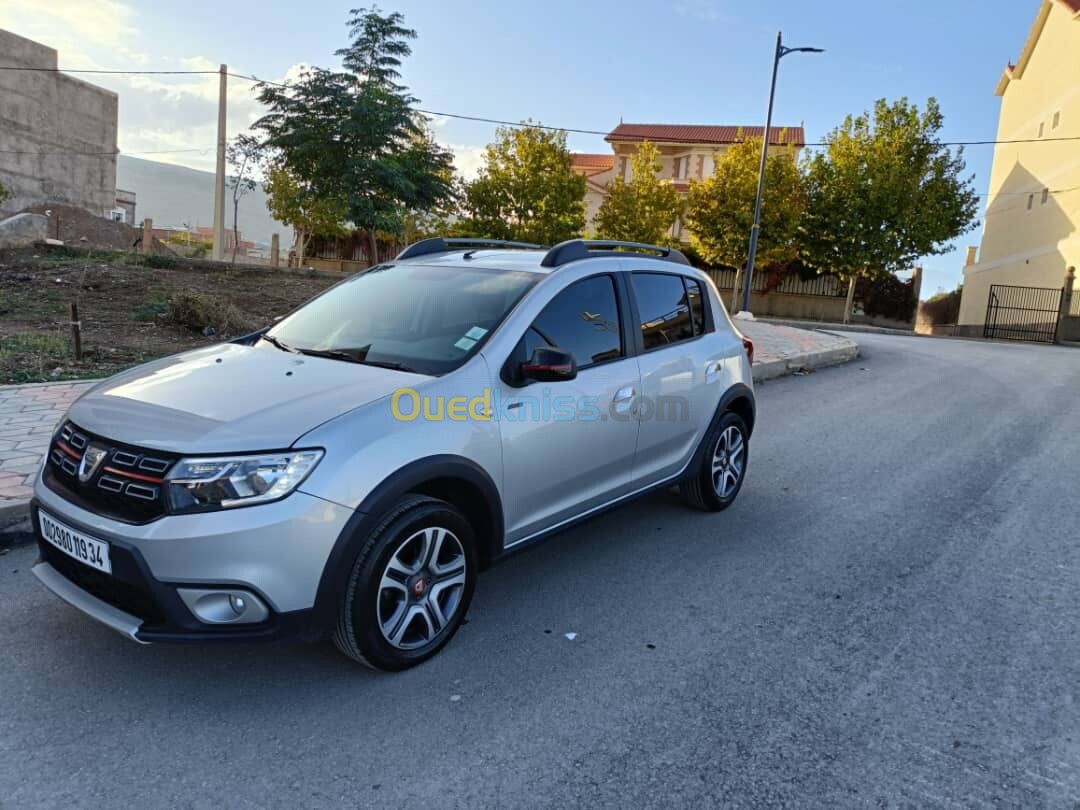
[224, 606]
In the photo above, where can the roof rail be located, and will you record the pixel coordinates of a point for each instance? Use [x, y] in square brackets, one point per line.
[575, 249]
[438, 244]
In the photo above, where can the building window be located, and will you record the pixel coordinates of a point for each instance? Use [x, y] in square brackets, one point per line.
[1057, 119]
[1042, 128]
[1031, 201]
[1046, 196]
[678, 166]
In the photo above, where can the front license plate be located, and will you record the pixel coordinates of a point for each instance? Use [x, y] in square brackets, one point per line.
[87, 550]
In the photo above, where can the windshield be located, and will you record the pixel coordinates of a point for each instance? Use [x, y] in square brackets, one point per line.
[406, 316]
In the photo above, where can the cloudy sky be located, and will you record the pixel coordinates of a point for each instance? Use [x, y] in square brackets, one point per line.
[576, 64]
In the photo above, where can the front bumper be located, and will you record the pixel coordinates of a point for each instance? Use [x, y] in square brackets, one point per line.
[277, 551]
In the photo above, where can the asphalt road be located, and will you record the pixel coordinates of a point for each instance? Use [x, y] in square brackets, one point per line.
[887, 617]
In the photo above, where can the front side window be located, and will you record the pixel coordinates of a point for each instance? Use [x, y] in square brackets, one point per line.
[583, 319]
[406, 316]
[665, 311]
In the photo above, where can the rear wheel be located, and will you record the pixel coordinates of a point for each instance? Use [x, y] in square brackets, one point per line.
[719, 477]
[410, 586]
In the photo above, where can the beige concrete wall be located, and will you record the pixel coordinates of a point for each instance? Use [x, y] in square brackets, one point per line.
[46, 119]
[1032, 234]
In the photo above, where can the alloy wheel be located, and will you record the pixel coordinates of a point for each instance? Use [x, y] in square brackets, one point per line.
[728, 462]
[421, 588]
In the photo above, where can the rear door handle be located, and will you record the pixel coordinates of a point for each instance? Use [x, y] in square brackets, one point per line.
[623, 401]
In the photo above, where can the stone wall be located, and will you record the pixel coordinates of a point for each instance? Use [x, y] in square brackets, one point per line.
[48, 123]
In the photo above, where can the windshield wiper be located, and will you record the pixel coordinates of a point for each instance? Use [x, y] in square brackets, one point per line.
[338, 354]
[273, 341]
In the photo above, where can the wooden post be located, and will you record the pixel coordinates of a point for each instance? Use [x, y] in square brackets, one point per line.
[147, 235]
[916, 291]
[76, 332]
[275, 250]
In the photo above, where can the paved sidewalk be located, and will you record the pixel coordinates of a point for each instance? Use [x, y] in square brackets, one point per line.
[782, 350]
[28, 416]
[29, 413]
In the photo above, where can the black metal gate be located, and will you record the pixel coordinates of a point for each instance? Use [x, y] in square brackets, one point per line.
[1023, 313]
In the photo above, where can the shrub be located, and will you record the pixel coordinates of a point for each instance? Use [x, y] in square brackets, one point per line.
[943, 308]
[196, 312]
[887, 297]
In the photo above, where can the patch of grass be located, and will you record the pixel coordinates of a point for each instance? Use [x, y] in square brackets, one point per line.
[32, 358]
[152, 308]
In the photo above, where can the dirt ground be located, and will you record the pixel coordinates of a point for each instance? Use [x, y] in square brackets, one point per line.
[132, 309]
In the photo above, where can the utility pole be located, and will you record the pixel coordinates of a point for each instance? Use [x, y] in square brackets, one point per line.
[781, 52]
[218, 253]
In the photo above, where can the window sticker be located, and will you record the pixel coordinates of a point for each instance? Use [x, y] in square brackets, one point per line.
[476, 333]
[465, 344]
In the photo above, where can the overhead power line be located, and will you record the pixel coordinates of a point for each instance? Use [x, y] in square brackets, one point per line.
[474, 118]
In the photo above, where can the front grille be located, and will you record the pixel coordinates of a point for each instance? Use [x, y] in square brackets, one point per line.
[108, 478]
[127, 596]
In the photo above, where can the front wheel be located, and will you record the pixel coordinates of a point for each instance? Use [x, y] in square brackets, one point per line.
[716, 483]
[410, 585]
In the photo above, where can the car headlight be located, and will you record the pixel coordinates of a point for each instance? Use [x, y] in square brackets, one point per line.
[202, 484]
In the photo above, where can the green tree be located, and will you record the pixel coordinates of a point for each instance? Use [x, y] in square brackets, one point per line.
[883, 193]
[242, 155]
[353, 136]
[720, 209]
[644, 208]
[296, 204]
[527, 189]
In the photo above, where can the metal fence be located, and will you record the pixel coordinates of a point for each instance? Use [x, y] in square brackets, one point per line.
[1023, 313]
[824, 286]
[1074, 307]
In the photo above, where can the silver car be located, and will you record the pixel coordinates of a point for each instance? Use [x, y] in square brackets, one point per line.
[350, 470]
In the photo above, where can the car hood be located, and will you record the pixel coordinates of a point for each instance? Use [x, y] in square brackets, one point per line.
[230, 398]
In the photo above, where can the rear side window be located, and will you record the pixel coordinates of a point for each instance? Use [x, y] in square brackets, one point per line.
[664, 308]
[584, 320]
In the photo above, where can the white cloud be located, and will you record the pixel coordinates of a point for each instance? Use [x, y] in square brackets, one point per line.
[167, 118]
[468, 159]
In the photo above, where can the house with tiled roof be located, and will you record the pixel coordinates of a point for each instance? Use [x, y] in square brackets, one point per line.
[687, 153]
[1031, 231]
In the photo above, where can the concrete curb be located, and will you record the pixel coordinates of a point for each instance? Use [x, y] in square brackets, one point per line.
[809, 360]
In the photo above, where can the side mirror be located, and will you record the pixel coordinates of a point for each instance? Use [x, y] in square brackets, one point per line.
[549, 364]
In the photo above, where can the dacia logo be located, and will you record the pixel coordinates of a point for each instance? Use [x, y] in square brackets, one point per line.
[90, 462]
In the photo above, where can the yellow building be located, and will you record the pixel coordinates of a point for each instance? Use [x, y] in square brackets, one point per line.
[687, 153]
[1031, 233]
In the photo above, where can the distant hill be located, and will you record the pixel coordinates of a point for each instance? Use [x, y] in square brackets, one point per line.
[177, 195]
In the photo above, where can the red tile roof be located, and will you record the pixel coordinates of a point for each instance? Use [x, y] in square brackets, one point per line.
[692, 133]
[1073, 4]
[587, 161]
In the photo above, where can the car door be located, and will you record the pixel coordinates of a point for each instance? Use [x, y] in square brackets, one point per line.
[569, 446]
[681, 372]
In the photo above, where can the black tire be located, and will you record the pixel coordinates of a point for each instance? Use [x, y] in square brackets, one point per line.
[698, 488]
[359, 633]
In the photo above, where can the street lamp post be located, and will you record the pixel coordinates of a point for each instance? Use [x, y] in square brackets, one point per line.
[781, 51]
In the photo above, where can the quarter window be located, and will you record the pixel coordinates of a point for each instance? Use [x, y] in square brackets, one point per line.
[584, 320]
[665, 311]
[697, 305]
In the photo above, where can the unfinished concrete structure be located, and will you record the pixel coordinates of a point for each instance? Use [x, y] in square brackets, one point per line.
[57, 133]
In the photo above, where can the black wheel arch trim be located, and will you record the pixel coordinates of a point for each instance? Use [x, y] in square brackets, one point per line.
[410, 478]
[737, 391]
